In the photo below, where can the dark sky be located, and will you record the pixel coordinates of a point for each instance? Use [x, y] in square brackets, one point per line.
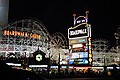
[56, 15]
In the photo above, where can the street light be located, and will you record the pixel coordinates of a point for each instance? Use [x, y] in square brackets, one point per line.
[59, 64]
[49, 59]
[104, 60]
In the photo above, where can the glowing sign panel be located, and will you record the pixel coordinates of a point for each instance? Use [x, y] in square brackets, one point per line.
[39, 57]
[22, 34]
[80, 55]
[80, 31]
[78, 61]
[76, 41]
[80, 20]
[77, 45]
[77, 32]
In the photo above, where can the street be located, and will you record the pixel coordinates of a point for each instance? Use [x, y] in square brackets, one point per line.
[83, 79]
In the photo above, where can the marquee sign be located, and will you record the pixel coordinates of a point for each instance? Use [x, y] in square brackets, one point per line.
[80, 20]
[22, 34]
[78, 32]
[80, 42]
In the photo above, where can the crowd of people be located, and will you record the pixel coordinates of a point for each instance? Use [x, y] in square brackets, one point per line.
[81, 73]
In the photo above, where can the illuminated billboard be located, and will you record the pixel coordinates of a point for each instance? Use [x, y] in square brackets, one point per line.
[80, 20]
[21, 34]
[79, 55]
[78, 62]
[80, 42]
[80, 52]
[79, 58]
[78, 32]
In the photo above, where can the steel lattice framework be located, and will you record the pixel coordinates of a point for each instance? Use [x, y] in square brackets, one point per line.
[102, 56]
[59, 47]
[117, 37]
[21, 45]
[24, 46]
[100, 45]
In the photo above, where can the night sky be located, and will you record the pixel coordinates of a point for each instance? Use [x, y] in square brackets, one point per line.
[56, 15]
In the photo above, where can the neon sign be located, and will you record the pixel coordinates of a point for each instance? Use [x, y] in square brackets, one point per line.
[22, 34]
[77, 32]
[80, 20]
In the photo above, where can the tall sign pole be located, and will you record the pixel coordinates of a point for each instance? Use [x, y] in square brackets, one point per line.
[74, 15]
[80, 42]
[87, 12]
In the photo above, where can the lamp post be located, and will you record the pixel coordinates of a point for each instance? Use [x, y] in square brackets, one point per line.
[104, 60]
[49, 59]
[25, 61]
[117, 39]
[59, 64]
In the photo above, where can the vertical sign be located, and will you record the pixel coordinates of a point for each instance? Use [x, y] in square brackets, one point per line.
[80, 43]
